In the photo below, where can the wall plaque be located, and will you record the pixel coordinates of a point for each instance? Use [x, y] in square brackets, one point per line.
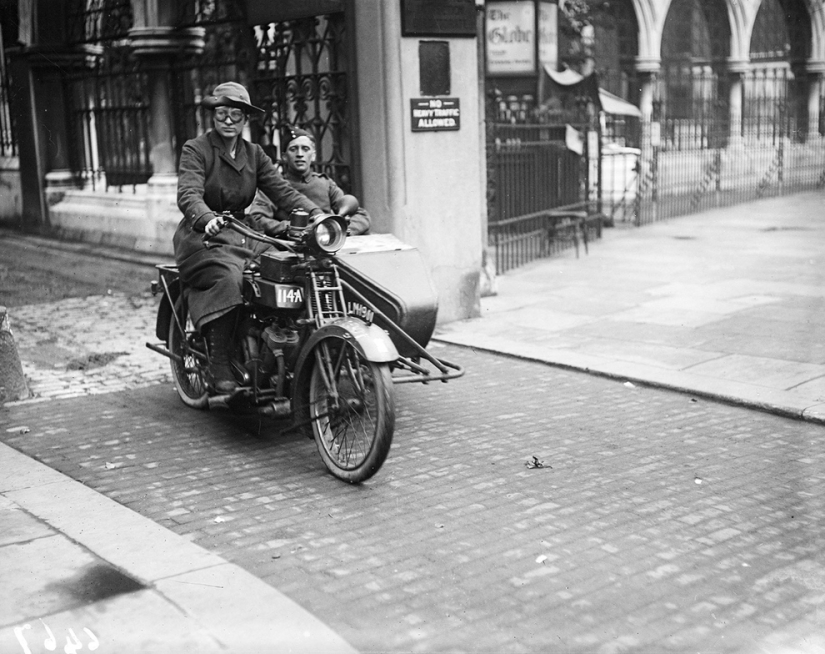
[438, 18]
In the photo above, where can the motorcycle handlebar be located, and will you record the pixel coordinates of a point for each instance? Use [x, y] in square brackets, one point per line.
[230, 222]
[295, 234]
[237, 226]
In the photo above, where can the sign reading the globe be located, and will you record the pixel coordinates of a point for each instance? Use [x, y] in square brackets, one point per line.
[510, 36]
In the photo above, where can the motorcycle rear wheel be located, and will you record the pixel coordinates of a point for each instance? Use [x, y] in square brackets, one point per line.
[187, 374]
[354, 437]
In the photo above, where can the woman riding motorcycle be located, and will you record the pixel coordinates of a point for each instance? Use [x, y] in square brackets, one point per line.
[220, 171]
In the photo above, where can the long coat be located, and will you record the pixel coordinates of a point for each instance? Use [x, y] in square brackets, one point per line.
[211, 181]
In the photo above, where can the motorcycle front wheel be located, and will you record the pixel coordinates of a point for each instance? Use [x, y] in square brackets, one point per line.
[187, 371]
[352, 409]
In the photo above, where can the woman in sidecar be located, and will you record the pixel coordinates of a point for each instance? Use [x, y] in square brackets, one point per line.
[220, 172]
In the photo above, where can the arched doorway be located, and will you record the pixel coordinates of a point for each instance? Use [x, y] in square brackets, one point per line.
[775, 87]
[692, 103]
[615, 47]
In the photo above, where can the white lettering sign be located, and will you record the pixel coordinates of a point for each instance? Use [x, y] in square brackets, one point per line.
[510, 37]
[435, 114]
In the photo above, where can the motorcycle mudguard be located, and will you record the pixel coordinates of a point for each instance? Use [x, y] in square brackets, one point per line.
[371, 341]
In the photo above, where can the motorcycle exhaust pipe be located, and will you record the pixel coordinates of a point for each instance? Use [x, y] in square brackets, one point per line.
[279, 408]
[219, 402]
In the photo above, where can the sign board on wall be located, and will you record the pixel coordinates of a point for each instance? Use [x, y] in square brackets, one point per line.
[510, 36]
[438, 18]
[435, 114]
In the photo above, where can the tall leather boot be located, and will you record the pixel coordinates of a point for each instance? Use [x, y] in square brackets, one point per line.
[218, 333]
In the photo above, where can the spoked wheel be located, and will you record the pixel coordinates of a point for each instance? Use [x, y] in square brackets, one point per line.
[189, 373]
[352, 408]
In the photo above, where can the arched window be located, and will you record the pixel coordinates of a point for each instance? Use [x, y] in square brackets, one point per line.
[782, 32]
[696, 31]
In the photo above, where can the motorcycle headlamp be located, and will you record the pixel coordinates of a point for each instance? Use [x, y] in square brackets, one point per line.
[327, 235]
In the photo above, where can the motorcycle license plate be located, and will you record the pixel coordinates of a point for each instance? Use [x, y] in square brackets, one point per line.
[288, 296]
[275, 295]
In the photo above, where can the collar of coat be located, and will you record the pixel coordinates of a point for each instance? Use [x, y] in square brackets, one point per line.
[240, 150]
[293, 177]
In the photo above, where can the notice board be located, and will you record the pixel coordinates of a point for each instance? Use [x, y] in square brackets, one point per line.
[438, 18]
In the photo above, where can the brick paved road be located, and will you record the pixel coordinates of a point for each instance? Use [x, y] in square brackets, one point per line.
[658, 523]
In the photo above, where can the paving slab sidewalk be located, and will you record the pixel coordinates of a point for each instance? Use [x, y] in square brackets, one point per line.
[727, 304]
[80, 569]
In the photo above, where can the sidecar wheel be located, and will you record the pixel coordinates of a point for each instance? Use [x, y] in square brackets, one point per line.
[188, 376]
[354, 435]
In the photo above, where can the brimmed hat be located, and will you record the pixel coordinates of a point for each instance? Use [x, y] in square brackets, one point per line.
[230, 94]
[290, 133]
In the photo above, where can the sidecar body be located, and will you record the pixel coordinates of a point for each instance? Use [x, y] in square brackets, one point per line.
[392, 276]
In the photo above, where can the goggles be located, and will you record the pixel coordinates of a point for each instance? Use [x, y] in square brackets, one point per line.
[235, 115]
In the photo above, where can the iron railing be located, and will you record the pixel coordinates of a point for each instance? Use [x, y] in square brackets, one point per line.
[522, 239]
[537, 195]
[702, 161]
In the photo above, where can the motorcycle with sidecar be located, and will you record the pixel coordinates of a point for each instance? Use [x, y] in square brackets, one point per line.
[328, 326]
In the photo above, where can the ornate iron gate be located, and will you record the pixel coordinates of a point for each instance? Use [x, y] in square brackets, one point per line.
[301, 79]
[297, 71]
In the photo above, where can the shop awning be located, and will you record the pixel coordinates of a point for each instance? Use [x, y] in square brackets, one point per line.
[572, 81]
[613, 104]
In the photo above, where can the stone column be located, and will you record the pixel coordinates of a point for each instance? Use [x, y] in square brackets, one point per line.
[156, 46]
[736, 72]
[423, 187]
[647, 69]
[815, 71]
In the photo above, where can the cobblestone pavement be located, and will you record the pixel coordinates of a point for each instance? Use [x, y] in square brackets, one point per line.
[63, 344]
[654, 522]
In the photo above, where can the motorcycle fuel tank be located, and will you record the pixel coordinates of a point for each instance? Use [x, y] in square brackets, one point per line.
[277, 266]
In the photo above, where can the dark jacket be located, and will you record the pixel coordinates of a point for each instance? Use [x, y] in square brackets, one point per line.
[211, 181]
[322, 191]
